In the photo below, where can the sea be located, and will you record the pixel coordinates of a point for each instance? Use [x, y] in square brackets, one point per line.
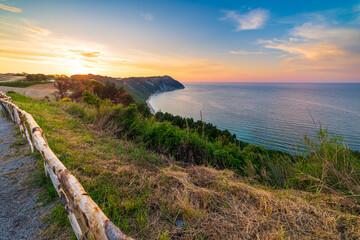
[274, 115]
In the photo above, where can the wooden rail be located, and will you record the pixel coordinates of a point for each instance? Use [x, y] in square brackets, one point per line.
[85, 216]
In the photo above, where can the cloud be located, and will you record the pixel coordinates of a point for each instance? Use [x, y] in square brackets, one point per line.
[35, 46]
[41, 31]
[87, 66]
[254, 19]
[10, 9]
[147, 16]
[86, 54]
[319, 46]
[356, 10]
[90, 60]
[26, 52]
[243, 52]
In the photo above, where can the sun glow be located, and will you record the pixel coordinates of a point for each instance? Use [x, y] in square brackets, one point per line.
[79, 68]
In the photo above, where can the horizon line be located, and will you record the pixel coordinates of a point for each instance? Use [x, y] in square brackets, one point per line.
[352, 82]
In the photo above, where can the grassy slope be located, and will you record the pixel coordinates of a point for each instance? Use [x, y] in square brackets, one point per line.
[145, 193]
[21, 84]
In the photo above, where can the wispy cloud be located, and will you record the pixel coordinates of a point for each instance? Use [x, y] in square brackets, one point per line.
[9, 8]
[147, 16]
[253, 19]
[318, 46]
[86, 54]
[35, 45]
[243, 52]
[356, 10]
[41, 31]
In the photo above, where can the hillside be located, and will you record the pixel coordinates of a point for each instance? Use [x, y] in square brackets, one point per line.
[150, 195]
[141, 88]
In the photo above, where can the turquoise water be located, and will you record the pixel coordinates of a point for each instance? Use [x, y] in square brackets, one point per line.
[275, 115]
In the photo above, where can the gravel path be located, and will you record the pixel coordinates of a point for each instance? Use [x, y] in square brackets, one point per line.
[20, 213]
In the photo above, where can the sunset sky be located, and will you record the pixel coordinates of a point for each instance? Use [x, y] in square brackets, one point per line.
[262, 41]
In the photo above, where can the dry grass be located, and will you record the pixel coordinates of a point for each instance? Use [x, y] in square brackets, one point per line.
[217, 205]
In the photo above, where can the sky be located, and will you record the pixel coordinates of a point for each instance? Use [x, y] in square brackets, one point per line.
[202, 41]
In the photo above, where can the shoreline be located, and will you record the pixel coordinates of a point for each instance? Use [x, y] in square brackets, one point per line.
[152, 110]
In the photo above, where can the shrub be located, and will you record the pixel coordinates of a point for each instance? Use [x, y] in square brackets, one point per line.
[209, 131]
[328, 164]
[91, 99]
[65, 99]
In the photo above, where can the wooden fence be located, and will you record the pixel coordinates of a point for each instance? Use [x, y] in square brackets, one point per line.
[85, 216]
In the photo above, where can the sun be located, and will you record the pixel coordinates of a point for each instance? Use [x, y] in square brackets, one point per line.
[79, 68]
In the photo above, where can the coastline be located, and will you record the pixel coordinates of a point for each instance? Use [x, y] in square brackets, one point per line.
[152, 110]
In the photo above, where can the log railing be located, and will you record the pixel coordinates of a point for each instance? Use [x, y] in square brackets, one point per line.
[85, 216]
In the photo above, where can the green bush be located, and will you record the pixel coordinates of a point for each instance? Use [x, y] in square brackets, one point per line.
[80, 111]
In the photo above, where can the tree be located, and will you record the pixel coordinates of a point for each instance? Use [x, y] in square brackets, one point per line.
[36, 77]
[62, 84]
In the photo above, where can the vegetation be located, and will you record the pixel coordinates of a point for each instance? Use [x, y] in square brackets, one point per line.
[145, 175]
[325, 161]
[37, 77]
[328, 165]
[62, 84]
[209, 131]
[107, 93]
[21, 84]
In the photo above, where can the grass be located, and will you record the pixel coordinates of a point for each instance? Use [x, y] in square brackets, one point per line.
[145, 193]
[21, 84]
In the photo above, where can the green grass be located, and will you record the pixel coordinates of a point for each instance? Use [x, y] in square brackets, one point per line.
[82, 150]
[21, 84]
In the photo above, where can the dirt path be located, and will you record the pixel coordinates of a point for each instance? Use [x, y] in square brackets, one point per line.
[20, 213]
